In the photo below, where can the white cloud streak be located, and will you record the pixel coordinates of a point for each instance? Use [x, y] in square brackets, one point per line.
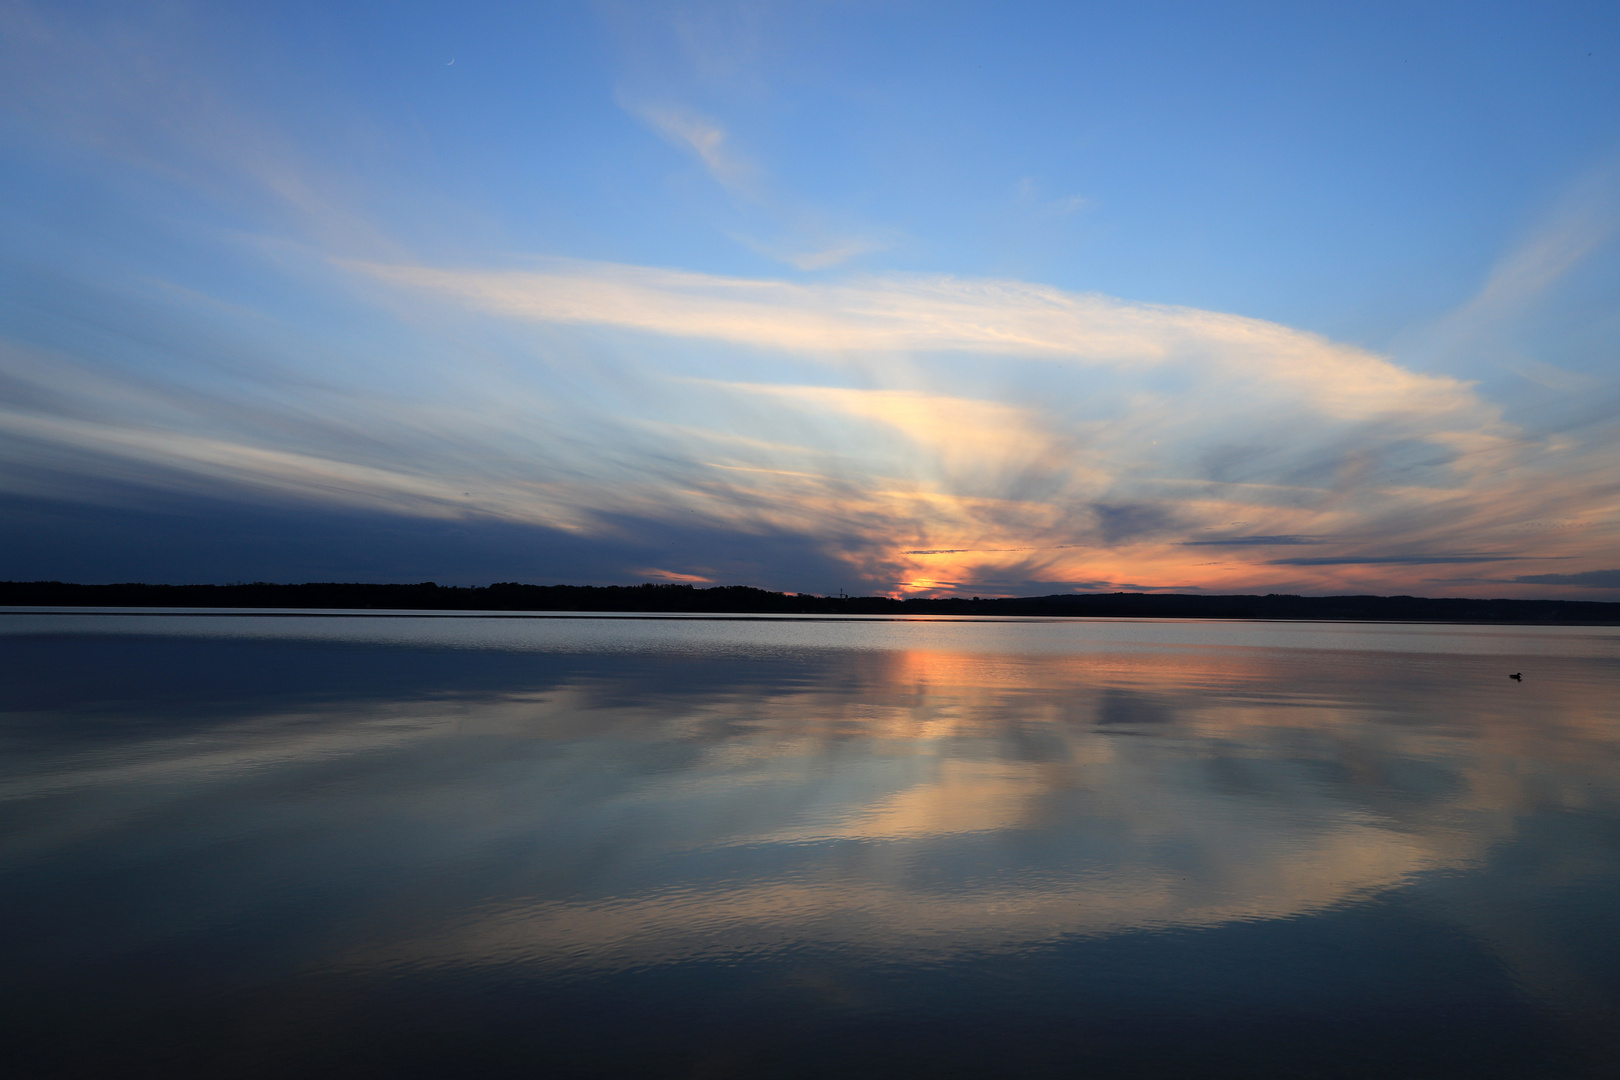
[912, 314]
[1584, 221]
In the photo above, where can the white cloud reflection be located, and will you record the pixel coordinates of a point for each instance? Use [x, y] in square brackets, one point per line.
[975, 764]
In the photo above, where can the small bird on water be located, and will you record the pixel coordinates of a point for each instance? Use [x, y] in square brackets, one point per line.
[1517, 676]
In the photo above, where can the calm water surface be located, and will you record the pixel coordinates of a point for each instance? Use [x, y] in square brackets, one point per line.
[297, 844]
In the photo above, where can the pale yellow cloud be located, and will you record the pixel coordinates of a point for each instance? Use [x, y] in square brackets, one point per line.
[961, 434]
[922, 313]
[1236, 373]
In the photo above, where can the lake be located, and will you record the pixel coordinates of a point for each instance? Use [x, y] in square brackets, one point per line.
[273, 844]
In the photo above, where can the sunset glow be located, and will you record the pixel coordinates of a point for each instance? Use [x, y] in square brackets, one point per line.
[709, 294]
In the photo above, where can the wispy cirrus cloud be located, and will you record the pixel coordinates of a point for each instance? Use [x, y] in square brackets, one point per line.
[1030, 194]
[702, 137]
[918, 313]
[1586, 219]
[1098, 469]
[856, 414]
[125, 85]
[1581, 223]
[819, 256]
[796, 236]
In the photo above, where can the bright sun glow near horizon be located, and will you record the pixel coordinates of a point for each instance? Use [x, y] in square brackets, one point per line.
[897, 298]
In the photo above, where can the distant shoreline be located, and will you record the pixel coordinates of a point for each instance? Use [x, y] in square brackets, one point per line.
[743, 600]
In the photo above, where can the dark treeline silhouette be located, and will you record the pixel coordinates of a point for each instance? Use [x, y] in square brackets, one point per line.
[741, 599]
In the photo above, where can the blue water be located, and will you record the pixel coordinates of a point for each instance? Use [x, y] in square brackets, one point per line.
[361, 845]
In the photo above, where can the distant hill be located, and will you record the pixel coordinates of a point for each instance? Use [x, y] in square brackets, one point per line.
[741, 599]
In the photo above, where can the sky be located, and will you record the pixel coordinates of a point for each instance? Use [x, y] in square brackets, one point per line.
[880, 297]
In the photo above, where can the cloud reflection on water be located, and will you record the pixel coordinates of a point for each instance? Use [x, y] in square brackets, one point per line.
[942, 803]
[604, 812]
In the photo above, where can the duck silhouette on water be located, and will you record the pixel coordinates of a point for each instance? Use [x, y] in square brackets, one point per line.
[1517, 676]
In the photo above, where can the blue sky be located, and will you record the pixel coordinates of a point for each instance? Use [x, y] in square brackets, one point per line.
[908, 298]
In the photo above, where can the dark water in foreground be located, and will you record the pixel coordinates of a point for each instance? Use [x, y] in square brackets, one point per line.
[367, 846]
